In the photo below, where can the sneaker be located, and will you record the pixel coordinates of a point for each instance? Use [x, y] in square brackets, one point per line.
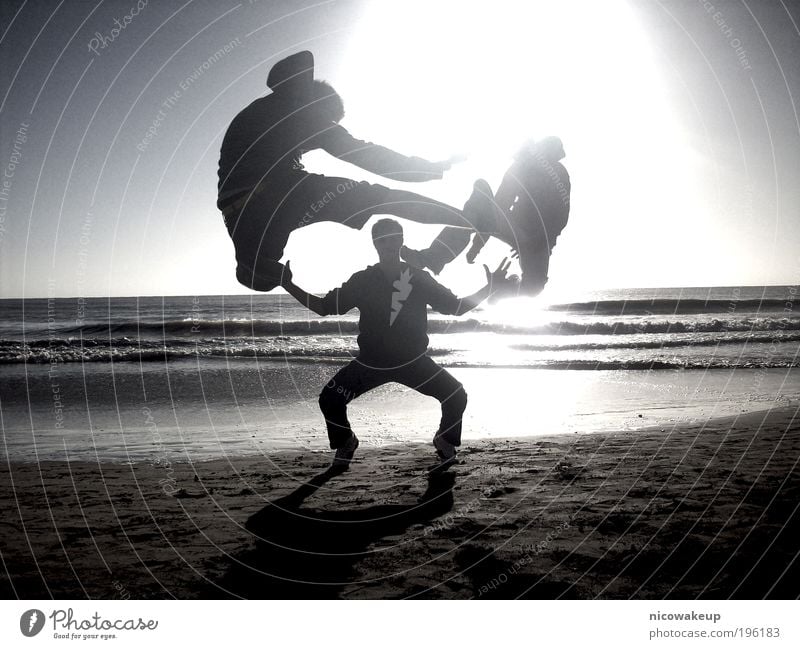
[445, 450]
[479, 209]
[344, 454]
[419, 259]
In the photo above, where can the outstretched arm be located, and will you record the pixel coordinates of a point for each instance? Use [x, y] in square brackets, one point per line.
[493, 281]
[310, 301]
[380, 160]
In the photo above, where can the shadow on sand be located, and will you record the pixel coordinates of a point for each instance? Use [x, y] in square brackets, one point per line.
[305, 553]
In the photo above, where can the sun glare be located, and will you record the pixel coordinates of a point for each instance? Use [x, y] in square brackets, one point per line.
[433, 79]
[457, 76]
[529, 311]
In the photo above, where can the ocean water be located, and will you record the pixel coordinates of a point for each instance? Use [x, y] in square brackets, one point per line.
[701, 328]
[173, 379]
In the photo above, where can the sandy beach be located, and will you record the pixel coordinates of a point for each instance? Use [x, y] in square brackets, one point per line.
[703, 509]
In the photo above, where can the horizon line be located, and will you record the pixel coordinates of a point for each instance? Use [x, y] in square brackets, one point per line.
[256, 293]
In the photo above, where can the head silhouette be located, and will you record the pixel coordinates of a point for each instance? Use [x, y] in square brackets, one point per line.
[293, 75]
[387, 237]
[549, 148]
[328, 101]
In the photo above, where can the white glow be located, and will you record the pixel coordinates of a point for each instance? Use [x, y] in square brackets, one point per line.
[515, 311]
[435, 78]
[450, 76]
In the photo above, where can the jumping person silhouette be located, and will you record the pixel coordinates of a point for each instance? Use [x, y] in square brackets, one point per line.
[533, 200]
[392, 298]
[265, 194]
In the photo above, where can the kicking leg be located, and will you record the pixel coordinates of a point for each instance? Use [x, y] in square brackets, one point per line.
[451, 242]
[448, 245]
[478, 213]
[352, 203]
[261, 226]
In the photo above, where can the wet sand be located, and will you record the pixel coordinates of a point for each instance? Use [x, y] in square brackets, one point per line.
[706, 509]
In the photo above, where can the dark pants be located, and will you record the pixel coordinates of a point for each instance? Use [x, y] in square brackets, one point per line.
[260, 229]
[422, 374]
[534, 259]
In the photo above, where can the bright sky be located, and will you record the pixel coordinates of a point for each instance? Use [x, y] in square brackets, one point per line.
[679, 123]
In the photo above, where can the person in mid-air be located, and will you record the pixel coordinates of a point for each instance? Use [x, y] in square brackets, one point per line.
[533, 202]
[392, 298]
[265, 194]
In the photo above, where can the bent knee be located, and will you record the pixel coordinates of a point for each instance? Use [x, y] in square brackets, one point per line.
[458, 400]
[330, 398]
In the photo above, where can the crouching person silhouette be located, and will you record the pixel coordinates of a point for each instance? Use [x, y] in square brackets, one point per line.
[392, 298]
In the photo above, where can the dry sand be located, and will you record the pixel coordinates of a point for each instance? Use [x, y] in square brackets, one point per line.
[703, 510]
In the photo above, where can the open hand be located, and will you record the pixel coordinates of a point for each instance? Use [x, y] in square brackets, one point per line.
[499, 275]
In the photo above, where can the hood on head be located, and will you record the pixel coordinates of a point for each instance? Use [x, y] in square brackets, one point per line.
[295, 72]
